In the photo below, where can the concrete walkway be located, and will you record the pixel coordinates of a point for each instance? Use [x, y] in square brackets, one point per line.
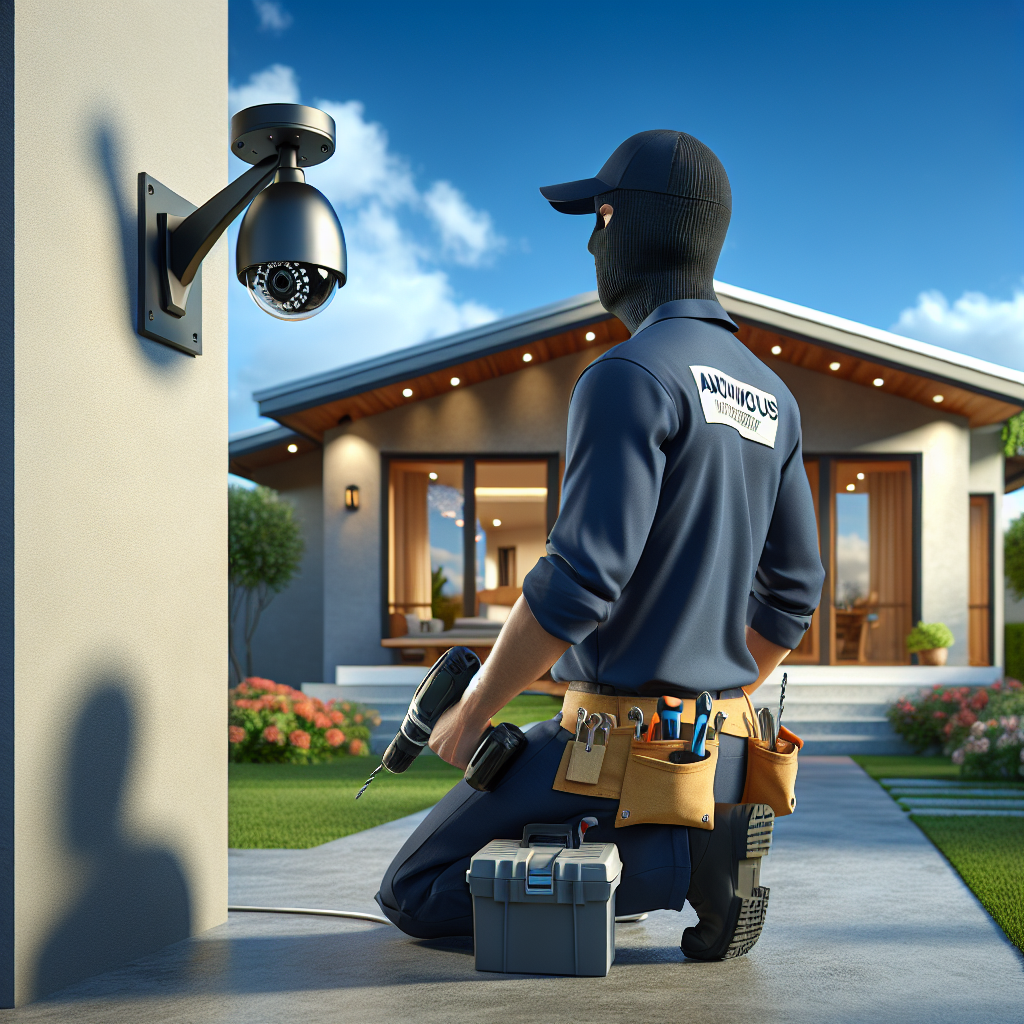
[867, 922]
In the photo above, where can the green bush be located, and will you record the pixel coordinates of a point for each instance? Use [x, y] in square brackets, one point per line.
[1014, 660]
[926, 636]
[272, 723]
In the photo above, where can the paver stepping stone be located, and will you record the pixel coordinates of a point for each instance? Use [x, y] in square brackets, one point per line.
[1013, 805]
[948, 784]
[952, 812]
[997, 793]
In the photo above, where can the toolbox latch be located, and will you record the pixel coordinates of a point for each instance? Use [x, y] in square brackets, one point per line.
[540, 869]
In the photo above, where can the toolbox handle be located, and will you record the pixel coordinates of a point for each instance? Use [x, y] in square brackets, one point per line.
[549, 835]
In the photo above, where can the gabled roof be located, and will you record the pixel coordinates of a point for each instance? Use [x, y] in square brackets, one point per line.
[773, 329]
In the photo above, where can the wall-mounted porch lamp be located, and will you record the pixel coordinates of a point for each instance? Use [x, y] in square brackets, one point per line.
[291, 249]
[352, 498]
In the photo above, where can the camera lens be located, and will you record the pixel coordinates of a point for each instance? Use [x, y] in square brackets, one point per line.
[281, 284]
[289, 290]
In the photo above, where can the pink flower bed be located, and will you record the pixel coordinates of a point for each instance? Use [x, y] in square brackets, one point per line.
[271, 722]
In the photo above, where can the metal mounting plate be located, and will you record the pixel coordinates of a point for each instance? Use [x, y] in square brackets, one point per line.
[183, 333]
[257, 132]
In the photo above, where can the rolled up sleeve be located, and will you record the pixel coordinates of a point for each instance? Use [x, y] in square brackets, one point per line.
[787, 584]
[619, 417]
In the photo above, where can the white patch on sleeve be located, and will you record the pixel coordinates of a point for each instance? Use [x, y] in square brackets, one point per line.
[754, 413]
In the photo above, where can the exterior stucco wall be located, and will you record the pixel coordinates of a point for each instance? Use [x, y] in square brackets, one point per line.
[117, 765]
[521, 412]
[839, 417]
[288, 645]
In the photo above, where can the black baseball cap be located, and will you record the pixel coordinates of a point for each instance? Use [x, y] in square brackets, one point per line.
[660, 160]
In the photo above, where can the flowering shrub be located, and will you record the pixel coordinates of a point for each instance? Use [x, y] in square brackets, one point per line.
[943, 715]
[269, 721]
[993, 749]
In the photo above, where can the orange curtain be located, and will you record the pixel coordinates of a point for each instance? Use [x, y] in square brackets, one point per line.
[891, 566]
[411, 552]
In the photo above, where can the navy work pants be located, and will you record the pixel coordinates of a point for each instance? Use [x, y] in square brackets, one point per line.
[424, 890]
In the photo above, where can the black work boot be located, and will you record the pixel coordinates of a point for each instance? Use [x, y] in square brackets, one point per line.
[724, 883]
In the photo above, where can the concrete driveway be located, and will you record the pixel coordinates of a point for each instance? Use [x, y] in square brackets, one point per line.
[867, 922]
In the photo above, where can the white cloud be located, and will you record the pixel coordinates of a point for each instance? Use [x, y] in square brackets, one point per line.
[974, 324]
[397, 294]
[273, 17]
[467, 235]
[362, 167]
[276, 84]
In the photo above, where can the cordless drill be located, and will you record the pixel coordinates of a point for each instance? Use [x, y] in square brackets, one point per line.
[442, 687]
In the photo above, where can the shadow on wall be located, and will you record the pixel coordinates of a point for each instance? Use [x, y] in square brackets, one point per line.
[120, 182]
[134, 898]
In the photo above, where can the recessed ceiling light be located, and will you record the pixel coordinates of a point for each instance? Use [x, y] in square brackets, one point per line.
[590, 336]
[407, 392]
[495, 522]
[860, 476]
[776, 350]
[937, 398]
[460, 523]
[293, 448]
[833, 367]
[851, 487]
[456, 382]
[527, 358]
[433, 476]
[878, 382]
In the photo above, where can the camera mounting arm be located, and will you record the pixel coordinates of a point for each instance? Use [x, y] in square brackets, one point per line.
[196, 235]
[187, 241]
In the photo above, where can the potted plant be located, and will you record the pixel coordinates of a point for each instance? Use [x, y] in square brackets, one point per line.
[930, 641]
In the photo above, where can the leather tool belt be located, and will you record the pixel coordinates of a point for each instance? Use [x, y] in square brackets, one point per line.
[651, 788]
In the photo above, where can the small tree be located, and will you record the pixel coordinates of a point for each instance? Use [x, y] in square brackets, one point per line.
[1013, 435]
[264, 551]
[1014, 557]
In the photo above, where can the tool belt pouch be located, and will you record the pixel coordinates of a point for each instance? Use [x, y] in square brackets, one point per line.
[657, 791]
[771, 774]
[597, 773]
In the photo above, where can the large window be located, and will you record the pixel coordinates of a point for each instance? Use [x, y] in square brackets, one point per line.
[464, 532]
[865, 511]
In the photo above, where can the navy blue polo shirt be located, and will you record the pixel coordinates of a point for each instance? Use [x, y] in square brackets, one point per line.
[685, 514]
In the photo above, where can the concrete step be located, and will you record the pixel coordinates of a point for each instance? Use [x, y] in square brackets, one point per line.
[849, 726]
[839, 743]
[822, 711]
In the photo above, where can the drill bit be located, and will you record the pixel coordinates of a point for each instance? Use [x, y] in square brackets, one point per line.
[369, 780]
[782, 699]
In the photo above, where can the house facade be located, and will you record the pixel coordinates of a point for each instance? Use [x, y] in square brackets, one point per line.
[437, 468]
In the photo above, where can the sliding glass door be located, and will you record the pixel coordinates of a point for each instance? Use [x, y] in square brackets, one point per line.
[463, 532]
[866, 528]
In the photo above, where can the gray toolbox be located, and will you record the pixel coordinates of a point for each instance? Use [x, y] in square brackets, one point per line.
[542, 907]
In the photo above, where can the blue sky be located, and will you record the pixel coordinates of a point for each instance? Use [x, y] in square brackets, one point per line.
[876, 153]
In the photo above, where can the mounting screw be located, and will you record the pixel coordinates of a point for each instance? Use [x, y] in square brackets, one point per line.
[150, 189]
[324, 148]
[240, 144]
[195, 337]
[151, 314]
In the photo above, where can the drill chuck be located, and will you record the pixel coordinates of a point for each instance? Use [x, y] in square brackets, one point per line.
[442, 687]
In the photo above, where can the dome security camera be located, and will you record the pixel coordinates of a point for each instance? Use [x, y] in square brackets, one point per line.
[291, 248]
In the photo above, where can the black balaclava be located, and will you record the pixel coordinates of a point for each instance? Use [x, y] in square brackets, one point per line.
[661, 246]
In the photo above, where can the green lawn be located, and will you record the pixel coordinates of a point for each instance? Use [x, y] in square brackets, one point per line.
[285, 806]
[987, 852]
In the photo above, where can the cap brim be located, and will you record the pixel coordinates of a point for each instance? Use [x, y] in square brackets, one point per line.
[575, 196]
